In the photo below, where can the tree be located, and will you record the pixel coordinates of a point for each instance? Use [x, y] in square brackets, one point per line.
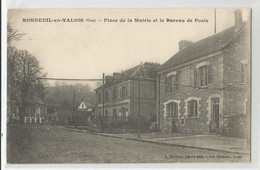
[13, 35]
[30, 82]
[25, 77]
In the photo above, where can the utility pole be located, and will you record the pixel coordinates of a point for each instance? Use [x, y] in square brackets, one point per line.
[73, 110]
[139, 107]
[158, 102]
[215, 18]
[103, 96]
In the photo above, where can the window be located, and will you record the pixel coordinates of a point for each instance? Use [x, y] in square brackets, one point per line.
[204, 75]
[114, 94]
[99, 98]
[172, 110]
[123, 112]
[114, 113]
[106, 96]
[192, 108]
[123, 92]
[182, 121]
[172, 83]
[244, 69]
[106, 114]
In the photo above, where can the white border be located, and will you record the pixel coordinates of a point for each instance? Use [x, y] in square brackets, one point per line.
[254, 4]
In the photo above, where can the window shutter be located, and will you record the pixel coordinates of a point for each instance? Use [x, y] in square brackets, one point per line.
[195, 78]
[209, 74]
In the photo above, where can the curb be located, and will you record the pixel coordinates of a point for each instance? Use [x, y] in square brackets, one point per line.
[154, 142]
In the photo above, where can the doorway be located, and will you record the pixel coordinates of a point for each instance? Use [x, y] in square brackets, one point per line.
[215, 111]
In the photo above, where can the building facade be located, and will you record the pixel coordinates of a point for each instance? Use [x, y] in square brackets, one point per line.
[205, 87]
[35, 113]
[123, 94]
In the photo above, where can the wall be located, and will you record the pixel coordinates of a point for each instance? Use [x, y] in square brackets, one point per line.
[147, 102]
[200, 124]
[237, 93]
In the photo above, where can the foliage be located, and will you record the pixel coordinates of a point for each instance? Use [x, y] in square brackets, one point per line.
[62, 95]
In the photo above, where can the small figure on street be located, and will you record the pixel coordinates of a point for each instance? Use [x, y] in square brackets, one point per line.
[174, 126]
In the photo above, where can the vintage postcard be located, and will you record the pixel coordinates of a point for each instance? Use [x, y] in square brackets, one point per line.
[128, 85]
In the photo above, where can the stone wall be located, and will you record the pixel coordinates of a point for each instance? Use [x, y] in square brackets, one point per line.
[200, 124]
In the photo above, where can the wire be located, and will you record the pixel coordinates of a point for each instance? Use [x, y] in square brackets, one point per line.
[136, 79]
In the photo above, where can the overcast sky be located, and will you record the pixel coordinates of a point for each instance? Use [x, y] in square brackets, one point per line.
[87, 49]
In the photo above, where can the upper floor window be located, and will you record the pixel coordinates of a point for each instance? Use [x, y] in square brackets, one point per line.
[123, 92]
[172, 110]
[106, 96]
[172, 83]
[114, 94]
[99, 98]
[203, 75]
[193, 108]
[244, 71]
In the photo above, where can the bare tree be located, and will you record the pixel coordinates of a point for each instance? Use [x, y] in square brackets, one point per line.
[30, 82]
[12, 34]
[25, 83]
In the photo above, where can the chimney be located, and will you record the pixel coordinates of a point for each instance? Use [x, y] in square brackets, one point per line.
[238, 19]
[184, 43]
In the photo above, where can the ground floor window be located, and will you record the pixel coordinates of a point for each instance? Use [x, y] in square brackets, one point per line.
[106, 114]
[172, 110]
[114, 113]
[182, 121]
[192, 108]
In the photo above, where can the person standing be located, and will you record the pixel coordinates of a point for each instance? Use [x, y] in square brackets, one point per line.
[174, 126]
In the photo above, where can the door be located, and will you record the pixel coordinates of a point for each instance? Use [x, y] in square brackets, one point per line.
[215, 111]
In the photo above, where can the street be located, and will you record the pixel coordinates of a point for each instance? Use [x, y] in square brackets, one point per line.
[42, 144]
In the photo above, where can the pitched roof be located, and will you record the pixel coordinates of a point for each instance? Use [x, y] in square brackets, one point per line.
[201, 48]
[82, 106]
[140, 71]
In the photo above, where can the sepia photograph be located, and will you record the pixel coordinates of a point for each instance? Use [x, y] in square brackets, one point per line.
[92, 86]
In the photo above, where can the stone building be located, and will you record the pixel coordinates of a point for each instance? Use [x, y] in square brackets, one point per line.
[205, 86]
[121, 96]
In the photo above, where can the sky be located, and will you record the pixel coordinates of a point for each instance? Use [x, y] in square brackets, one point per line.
[88, 49]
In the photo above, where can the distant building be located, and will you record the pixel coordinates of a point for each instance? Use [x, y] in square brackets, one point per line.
[121, 96]
[35, 113]
[206, 85]
[84, 113]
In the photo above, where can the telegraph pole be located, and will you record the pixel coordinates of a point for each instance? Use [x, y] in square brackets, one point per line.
[215, 18]
[158, 102]
[139, 107]
[73, 110]
[103, 103]
[103, 96]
